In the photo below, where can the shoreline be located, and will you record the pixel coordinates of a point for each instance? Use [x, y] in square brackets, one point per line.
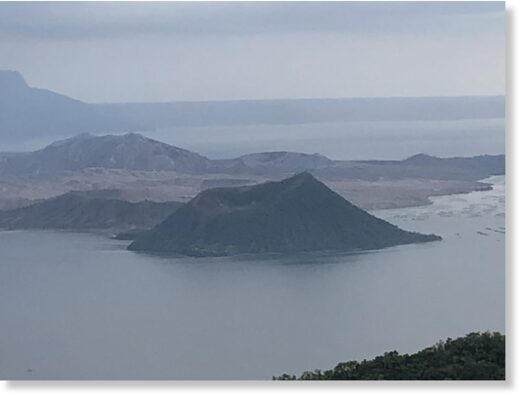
[420, 199]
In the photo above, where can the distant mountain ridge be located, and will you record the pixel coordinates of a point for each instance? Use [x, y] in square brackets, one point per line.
[493, 164]
[27, 112]
[426, 166]
[285, 161]
[32, 112]
[298, 214]
[135, 152]
[130, 152]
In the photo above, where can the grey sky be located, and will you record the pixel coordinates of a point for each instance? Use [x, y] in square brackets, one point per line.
[104, 52]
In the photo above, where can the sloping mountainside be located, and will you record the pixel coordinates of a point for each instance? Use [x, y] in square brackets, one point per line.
[477, 356]
[128, 152]
[32, 112]
[294, 215]
[88, 211]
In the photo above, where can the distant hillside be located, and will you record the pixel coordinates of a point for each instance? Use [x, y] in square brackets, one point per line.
[487, 164]
[88, 211]
[294, 215]
[135, 152]
[477, 356]
[419, 166]
[129, 152]
[285, 161]
[138, 153]
[27, 112]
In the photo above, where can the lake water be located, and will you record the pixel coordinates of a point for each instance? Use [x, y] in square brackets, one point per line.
[382, 140]
[79, 306]
[361, 140]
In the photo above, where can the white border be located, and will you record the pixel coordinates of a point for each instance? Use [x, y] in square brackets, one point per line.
[390, 389]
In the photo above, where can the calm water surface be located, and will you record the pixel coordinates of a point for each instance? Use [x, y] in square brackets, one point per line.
[79, 306]
[383, 140]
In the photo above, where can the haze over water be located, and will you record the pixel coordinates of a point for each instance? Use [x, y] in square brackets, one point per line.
[387, 140]
[81, 306]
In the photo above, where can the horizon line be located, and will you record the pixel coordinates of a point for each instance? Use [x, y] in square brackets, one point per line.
[281, 99]
[265, 99]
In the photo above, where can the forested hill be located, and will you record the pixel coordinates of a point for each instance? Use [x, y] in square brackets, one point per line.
[477, 356]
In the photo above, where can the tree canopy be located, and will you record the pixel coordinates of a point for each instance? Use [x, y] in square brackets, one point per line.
[477, 356]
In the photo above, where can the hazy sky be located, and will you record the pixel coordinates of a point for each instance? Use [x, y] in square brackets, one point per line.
[105, 52]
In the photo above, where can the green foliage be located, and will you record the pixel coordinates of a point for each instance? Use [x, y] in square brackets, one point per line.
[477, 356]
